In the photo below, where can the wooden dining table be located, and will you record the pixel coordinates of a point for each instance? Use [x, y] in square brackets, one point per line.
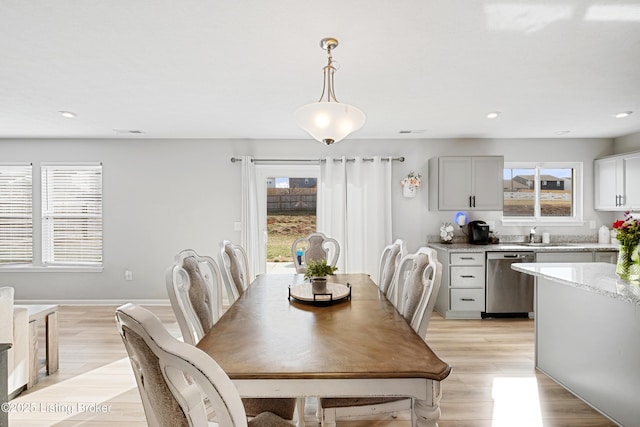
[272, 345]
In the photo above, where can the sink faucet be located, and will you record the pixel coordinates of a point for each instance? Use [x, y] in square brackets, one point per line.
[532, 235]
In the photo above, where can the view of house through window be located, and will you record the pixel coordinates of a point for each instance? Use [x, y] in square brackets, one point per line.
[291, 213]
[539, 192]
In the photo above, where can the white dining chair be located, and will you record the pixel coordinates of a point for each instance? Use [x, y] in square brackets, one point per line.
[417, 282]
[389, 260]
[194, 284]
[235, 269]
[314, 247]
[179, 384]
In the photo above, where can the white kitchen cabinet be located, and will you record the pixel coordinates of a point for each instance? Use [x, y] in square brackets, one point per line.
[615, 183]
[631, 180]
[563, 256]
[462, 288]
[610, 257]
[466, 183]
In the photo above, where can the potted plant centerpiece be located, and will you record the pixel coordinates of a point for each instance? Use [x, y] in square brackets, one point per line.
[317, 272]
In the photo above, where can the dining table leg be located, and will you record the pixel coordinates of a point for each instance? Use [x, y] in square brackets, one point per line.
[426, 413]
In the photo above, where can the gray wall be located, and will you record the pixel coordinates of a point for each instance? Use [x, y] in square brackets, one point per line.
[161, 196]
[627, 143]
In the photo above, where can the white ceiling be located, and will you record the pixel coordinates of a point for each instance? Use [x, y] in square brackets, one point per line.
[239, 69]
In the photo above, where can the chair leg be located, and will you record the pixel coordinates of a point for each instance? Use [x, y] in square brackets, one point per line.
[328, 417]
[300, 402]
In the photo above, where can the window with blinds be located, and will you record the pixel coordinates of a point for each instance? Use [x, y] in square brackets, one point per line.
[71, 214]
[16, 221]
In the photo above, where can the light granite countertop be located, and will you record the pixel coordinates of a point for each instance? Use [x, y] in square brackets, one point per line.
[512, 246]
[591, 276]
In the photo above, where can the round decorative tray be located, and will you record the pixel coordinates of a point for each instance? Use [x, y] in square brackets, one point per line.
[335, 292]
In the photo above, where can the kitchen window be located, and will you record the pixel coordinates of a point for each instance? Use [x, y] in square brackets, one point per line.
[62, 228]
[542, 193]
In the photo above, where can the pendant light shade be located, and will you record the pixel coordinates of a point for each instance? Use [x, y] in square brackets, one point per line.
[328, 120]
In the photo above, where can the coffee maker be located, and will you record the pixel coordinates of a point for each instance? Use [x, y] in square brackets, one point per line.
[478, 233]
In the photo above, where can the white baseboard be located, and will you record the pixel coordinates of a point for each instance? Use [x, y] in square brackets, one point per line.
[109, 302]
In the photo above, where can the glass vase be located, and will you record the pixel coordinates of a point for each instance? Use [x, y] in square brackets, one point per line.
[628, 267]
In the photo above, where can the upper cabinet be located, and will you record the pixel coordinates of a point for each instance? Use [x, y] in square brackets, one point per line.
[466, 183]
[614, 181]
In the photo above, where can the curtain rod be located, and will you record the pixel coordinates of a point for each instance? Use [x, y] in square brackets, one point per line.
[236, 159]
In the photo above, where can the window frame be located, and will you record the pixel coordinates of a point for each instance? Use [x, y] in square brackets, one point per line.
[38, 263]
[62, 182]
[576, 219]
[17, 195]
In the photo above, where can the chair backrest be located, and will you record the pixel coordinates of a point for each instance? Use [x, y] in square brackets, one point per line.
[175, 379]
[314, 247]
[416, 288]
[235, 269]
[389, 260]
[6, 315]
[194, 285]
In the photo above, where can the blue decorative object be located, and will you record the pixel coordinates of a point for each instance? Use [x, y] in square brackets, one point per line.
[461, 218]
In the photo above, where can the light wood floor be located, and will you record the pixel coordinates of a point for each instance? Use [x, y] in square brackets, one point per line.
[493, 383]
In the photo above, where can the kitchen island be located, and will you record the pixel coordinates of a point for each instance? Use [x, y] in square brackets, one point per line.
[588, 334]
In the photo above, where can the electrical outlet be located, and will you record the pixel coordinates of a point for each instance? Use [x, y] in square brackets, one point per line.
[237, 226]
[128, 275]
[592, 224]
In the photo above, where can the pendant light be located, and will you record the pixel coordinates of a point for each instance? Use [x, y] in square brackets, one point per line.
[328, 120]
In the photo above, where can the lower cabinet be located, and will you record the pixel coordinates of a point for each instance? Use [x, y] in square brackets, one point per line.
[462, 290]
[561, 256]
[467, 300]
[610, 257]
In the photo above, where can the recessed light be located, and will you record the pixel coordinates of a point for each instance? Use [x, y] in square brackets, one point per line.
[493, 114]
[68, 114]
[623, 114]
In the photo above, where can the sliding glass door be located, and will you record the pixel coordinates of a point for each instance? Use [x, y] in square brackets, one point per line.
[287, 200]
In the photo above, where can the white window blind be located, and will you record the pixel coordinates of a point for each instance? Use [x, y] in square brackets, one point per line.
[16, 241]
[72, 214]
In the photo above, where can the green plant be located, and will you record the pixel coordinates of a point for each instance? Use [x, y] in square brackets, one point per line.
[319, 269]
[628, 234]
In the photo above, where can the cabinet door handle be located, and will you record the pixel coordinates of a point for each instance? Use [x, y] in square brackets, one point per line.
[467, 276]
[474, 201]
[617, 200]
[466, 257]
[470, 205]
[467, 299]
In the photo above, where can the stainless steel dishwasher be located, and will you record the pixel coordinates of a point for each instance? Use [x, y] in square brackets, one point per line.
[508, 291]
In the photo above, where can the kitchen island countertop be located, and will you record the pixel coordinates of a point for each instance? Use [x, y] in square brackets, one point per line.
[595, 277]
